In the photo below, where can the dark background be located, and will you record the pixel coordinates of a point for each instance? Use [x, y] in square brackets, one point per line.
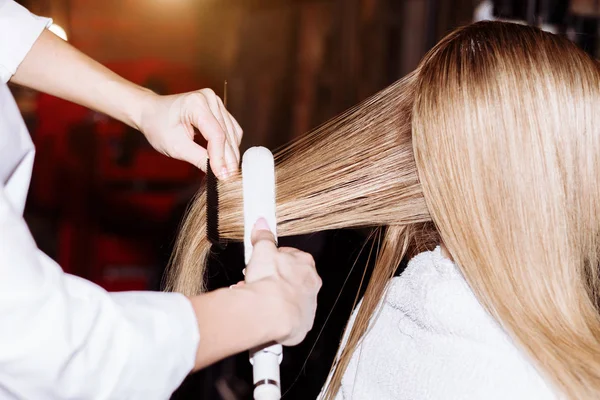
[107, 207]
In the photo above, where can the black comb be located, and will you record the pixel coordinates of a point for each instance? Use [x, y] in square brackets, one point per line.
[212, 209]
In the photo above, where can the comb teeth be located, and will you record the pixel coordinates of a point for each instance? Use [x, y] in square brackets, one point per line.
[212, 208]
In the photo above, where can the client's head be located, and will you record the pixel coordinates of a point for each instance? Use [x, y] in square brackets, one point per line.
[492, 146]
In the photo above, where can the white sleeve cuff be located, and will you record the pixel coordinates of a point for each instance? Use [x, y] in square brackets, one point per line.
[19, 29]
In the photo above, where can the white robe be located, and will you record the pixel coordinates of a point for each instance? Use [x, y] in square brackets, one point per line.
[432, 340]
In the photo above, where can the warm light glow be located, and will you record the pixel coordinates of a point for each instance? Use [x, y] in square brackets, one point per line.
[58, 31]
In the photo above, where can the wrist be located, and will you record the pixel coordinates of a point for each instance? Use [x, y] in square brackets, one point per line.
[230, 321]
[140, 104]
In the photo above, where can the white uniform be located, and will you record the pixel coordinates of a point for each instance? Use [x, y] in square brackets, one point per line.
[62, 337]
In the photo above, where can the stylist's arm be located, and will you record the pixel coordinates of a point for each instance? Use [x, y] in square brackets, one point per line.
[277, 308]
[55, 67]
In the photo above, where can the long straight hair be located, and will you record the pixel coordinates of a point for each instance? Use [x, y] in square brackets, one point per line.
[492, 144]
[507, 143]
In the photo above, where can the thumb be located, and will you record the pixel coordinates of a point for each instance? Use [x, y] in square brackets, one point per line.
[262, 235]
[261, 263]
[194, 154]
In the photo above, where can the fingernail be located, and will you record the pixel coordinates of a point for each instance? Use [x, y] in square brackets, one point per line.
[244, 272]
[224, 173]
[262, 225]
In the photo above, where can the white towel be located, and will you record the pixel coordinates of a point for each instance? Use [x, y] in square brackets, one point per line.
[433, 340]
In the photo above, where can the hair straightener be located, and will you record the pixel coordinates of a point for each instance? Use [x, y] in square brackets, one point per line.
[258, 177]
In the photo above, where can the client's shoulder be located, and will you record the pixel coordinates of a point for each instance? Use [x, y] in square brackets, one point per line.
[433, 293]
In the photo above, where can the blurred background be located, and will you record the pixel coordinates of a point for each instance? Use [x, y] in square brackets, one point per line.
[107, 207]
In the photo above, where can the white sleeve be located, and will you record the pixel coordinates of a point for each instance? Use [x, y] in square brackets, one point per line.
[63, 337]
[19, 29]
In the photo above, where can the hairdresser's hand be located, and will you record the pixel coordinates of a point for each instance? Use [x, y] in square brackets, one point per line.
[286, 278]
[169, 121]
[277, 303]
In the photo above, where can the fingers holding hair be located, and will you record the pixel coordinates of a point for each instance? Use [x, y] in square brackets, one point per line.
[226, 147]
[204, 118]
[206, 115]
[231, 133]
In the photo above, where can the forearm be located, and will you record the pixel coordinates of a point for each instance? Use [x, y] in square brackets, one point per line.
[233, 320]
[53, 66]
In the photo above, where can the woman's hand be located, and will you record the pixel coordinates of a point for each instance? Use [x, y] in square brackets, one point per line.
[287, 279]
[277, 303]
[169, 121]
[55, 67]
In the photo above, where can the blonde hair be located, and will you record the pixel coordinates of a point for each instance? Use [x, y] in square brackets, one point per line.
[494, 139]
